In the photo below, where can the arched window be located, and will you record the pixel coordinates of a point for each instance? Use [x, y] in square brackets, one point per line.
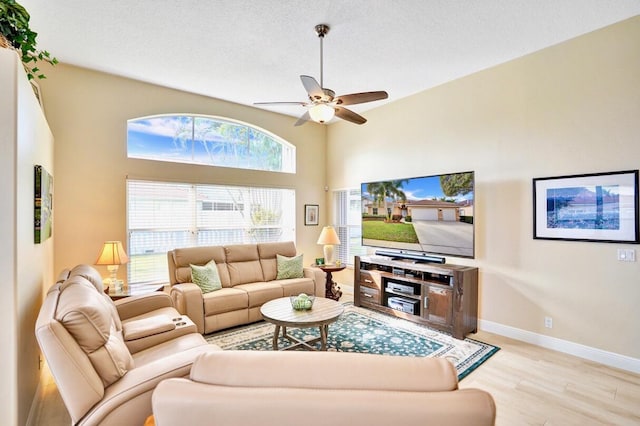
[213, 141]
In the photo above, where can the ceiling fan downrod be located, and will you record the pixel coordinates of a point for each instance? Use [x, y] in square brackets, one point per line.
[321, 30]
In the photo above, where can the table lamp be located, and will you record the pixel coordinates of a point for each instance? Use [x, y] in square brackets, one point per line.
[328, 237]
[112, 255]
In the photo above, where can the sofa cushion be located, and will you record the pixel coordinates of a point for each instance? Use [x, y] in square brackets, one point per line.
[183, 257]
[93, 276]
[206, 277]
[88, 318]
[243, 264]
[225, 300]
[90, 274]
[289, 267]
[295, 286]
[268, 252]
[261, 293]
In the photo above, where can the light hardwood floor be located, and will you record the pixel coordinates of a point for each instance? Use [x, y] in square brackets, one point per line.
[531, 386]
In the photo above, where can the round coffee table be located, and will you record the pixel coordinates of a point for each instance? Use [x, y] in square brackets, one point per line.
[280, 313]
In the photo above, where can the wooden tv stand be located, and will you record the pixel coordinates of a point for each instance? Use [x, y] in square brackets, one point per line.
[441, 296]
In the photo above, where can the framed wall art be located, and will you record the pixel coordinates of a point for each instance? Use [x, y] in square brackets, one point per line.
[311, 213]
[601, 207]
[43, 205]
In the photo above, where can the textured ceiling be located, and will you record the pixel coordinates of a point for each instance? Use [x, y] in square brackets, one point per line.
[252, 51]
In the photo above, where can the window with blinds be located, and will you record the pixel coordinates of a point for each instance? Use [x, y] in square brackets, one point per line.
[348, 217]
[162, 216]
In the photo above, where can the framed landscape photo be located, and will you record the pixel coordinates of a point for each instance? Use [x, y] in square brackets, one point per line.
[311, 214]
[601, 207]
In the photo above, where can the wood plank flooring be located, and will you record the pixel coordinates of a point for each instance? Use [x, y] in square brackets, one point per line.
[531, 386]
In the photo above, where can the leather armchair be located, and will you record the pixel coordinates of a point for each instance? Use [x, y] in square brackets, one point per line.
[107, 358]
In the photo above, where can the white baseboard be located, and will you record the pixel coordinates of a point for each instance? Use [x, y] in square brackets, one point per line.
[593, 354]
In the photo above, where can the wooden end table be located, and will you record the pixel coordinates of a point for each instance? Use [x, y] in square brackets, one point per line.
[328, 291]
[137, 290]
[280, 313]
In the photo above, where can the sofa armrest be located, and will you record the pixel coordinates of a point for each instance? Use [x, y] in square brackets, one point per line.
[130, 307]
[187, 298]
[145, 327]
[319, 279]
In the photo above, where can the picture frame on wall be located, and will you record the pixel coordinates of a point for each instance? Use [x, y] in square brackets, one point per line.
[598, 207]
[43, 205]
[311, 213]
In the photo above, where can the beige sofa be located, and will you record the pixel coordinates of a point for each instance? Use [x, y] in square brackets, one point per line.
[107, 357]
[248, 274]
[319, 388]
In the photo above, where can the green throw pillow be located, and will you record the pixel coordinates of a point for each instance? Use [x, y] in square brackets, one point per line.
[206, 277]
[289, 267]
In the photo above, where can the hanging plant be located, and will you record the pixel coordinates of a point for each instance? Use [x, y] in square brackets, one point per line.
[14, 28]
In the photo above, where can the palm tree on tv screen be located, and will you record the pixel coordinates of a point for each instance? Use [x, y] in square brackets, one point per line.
[384, 192]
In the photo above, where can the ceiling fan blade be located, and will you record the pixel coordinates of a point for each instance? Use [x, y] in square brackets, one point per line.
[359, 98]
[280, 103]
[303, 119]
[347, 114]
[312, 87]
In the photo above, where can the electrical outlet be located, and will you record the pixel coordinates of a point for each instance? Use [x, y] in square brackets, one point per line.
[626, 255]
[548, 322]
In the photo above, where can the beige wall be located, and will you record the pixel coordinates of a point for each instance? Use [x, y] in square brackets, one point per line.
[570, 109]
[88, 112]
[25, 140]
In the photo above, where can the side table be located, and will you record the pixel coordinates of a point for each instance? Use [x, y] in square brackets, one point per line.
[134, 291]
[331, 291]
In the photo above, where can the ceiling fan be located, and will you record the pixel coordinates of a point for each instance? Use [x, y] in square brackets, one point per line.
[323, 104]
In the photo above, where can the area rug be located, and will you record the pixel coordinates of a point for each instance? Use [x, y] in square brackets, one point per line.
[366, 331]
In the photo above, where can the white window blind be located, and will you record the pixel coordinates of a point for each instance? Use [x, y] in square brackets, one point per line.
[348, 217]
[166, 215]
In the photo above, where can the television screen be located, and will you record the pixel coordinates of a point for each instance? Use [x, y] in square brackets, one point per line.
[429, 214]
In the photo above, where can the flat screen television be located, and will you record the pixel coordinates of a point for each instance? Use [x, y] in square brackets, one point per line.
[420, 215]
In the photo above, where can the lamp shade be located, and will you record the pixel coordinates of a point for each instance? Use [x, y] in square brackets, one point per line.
[112, 254]
[328, 236]
[321, 113]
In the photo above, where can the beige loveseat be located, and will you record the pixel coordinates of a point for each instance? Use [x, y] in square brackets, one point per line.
[248, 275]
[231, 388]
[107, 357]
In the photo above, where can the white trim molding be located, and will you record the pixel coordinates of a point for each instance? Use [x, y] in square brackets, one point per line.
[593, 354]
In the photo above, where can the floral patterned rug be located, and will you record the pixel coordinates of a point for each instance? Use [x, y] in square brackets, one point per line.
[366, 331]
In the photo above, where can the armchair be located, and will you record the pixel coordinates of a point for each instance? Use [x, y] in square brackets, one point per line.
[106, 358]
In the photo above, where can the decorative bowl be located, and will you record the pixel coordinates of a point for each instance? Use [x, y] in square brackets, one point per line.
[302, 302]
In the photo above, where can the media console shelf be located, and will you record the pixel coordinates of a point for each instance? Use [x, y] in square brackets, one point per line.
[441, 296]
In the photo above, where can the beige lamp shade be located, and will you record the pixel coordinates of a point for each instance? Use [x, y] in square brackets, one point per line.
[329, 238]
[112, 255]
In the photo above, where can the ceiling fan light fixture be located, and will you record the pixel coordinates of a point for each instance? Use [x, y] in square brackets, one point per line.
[321, 113]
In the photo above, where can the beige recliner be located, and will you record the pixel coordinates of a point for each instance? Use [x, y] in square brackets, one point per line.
[106, 358]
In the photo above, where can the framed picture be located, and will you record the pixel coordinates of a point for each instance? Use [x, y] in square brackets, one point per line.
[601, 207]
[311, 214]
[43, 205]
